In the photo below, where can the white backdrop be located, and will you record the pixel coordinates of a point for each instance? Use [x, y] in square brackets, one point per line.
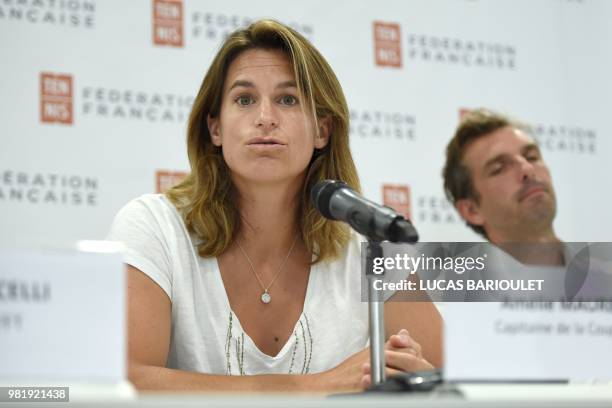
[95, 95]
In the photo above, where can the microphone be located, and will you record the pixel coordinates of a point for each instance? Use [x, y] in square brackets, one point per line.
[335, 200]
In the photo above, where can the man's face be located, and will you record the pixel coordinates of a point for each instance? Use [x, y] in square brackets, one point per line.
[513, 184]
[266, 131]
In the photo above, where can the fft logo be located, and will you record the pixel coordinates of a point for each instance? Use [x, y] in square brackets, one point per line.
[168, 23]
[398, 198]
[56, 93]
[165, 179]
[387, 44]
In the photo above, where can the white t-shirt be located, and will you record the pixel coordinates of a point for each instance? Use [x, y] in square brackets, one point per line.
[206, 335]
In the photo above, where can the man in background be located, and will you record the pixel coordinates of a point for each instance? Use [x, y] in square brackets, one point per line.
[497, 179]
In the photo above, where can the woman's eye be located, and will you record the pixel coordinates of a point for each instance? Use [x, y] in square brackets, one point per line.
[289, 100]
[244, 100]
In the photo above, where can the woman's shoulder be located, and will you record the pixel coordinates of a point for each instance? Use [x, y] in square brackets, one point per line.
[149, 207]
[151, 202]
[146, 214]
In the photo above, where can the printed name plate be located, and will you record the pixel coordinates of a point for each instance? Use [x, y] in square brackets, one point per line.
[62, 316]
[533, 341]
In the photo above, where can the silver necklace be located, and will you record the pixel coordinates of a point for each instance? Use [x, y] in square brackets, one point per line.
[265, 296]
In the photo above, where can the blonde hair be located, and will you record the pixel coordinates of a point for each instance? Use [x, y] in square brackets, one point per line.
[206, 197]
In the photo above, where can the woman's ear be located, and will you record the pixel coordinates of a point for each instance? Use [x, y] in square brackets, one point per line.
[324, 132]
[214, 128]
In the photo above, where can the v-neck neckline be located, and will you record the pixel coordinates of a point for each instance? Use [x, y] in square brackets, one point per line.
[312, 275]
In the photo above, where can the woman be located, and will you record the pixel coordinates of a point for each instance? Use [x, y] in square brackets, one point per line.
[235, 281]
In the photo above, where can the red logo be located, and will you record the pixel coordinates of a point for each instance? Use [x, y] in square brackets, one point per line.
[168, 22]
[463, 113]
[165, 179]
[55, 98]
[387, 45]
[398, 198]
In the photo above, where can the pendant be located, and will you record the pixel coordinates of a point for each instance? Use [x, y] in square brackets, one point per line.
[265, 297]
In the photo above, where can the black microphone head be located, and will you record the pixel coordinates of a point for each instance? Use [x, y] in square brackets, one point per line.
[321, 195]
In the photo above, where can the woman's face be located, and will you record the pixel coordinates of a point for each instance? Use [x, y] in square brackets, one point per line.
[266, 131]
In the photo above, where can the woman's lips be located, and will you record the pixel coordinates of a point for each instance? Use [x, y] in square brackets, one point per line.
[265, 144]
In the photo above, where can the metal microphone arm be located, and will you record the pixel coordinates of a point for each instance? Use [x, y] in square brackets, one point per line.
[376, 315]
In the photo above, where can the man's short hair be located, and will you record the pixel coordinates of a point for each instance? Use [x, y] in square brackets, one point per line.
[457, 178]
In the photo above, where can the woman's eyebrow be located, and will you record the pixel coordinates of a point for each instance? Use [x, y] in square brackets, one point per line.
[249, 84]
[287, 84]
[245, 84]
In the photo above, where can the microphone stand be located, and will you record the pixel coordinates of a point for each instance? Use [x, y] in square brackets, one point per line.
[403, 231]
[376, 315]
[419, 381]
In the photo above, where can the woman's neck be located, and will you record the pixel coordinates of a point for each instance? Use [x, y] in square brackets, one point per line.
[268, 219]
